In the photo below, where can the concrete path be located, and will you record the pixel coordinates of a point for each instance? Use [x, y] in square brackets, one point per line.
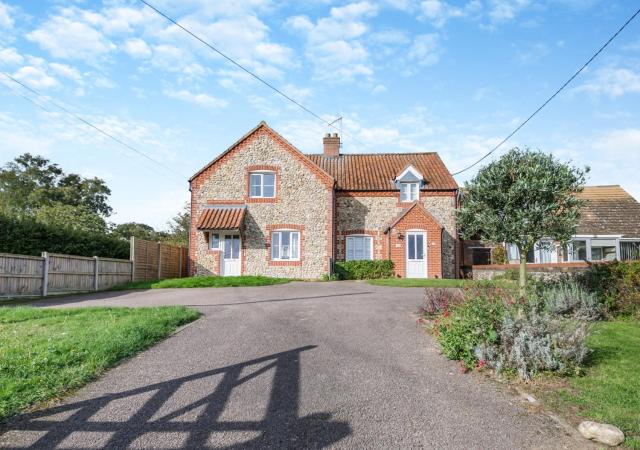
[301, 365]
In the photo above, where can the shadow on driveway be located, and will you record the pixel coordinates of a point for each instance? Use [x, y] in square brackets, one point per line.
[280, 427]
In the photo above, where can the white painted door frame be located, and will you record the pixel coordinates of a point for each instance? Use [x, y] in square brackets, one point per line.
[230, 254]
[416, 246]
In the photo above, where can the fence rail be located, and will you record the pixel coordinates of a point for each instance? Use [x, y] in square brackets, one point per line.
[52, 273]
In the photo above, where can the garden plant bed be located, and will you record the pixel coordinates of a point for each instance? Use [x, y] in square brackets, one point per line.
[199, 282]
[46, 353]
[436, 282]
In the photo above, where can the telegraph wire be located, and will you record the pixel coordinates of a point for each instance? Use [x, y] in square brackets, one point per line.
[246, 70]
[84, 121]
[566, 83]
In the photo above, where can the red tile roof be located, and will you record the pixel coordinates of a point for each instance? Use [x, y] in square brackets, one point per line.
[221, 218]
[376, 172]
[609, 210]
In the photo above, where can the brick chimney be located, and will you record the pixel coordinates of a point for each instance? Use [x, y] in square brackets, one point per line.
[331, 144]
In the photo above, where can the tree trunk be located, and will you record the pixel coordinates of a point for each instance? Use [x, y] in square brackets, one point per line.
[523, 273]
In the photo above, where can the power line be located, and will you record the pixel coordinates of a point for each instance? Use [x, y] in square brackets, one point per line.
[244, 69]
[566, 83]
[85, 121]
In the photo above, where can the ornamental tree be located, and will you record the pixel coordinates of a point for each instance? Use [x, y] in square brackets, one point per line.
[521, 198]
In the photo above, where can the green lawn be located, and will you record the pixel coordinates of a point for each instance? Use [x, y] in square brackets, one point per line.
[196, 282]
[44, 353]
[609, 392]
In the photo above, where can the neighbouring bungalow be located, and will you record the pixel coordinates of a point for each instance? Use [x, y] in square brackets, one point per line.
[609, 229]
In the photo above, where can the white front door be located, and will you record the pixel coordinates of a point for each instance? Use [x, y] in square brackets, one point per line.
[230, 260]
[416, 254]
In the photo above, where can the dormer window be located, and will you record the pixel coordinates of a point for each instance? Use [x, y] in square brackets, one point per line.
[262, 185]
[409, 192]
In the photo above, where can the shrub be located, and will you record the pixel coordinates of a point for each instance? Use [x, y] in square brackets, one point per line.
[570, 299]
[498, 255]
[617, 284]
[364, 270]
[439, 300]
[27, 237]
[531, 342]
[471, 324]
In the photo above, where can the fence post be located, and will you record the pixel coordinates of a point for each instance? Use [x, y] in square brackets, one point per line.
[45, 273]
[159, 261]
[96, 273]
[132, 256]
[180, 262]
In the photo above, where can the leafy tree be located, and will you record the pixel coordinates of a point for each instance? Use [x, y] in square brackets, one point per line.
[30, 182]
[79, 218]
[521, 198]
[179, 227]
[139, 230]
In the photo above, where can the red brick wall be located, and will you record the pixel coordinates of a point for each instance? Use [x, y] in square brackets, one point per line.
[417, 220]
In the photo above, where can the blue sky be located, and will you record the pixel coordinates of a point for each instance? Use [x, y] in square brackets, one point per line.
[406, 75]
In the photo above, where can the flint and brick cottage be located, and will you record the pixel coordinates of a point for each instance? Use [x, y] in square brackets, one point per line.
[264, 208]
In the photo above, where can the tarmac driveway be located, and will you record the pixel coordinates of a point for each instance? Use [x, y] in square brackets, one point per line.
[301, 365]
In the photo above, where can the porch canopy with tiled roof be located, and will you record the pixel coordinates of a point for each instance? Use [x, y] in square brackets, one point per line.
[377, 172]
[222, 218]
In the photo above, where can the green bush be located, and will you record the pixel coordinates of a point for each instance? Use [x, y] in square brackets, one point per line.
[471, 324]
[364, 270]
[568, 298]
[617, 284]
[498, 255]
[27, 237]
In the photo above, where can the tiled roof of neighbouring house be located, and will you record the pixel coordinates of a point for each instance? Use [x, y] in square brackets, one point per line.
[221, 218]
[376, 172]
[609, 210]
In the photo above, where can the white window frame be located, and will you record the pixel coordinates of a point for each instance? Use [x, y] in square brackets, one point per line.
[351, 238]
[278, 233]
[211, 235]
[409, 192]
[261, 174]
[591, 237]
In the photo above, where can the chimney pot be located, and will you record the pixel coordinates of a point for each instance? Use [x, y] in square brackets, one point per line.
[331, 144]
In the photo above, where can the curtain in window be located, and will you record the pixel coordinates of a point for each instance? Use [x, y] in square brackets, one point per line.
[358, 248]
[285, 245]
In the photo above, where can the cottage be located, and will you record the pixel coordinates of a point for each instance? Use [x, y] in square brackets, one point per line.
[609, 229]
[264, 208]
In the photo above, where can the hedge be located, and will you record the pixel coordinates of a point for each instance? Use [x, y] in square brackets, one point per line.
[364, 270]
[617, 284]
[27, 237]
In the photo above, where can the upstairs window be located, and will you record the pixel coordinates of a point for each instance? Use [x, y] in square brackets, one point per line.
[285, 245]
[262, 185]
[359, 248]
[409, 192]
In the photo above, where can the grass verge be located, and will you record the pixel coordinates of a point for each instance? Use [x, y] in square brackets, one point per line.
[45, 353]
[436, 282]
[196, 282]
[609, 391]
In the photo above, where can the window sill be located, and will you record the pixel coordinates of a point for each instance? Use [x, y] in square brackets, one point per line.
[261, 200]
[285, 262]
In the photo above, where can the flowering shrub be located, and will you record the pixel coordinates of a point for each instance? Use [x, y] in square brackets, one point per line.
[472, 323]
[489, 327]
[532, 342]
[439, 300]
[570, 299]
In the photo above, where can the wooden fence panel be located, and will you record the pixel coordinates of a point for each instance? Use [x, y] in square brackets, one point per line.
[69, 273]
[156, 261]
[20, 275]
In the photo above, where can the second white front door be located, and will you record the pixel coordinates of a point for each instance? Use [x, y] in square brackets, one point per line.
[416, 254]
[230, 261]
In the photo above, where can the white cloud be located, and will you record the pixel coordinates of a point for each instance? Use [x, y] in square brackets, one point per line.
[379, 89]
[136, 48]
[438, 12]
[10, 57]
[204, 100]
[66, 71]
[6, 21]
[335, 45]
[425, 50]
[36, 77]
[505, 10]
[65, 36]
[612, 81]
